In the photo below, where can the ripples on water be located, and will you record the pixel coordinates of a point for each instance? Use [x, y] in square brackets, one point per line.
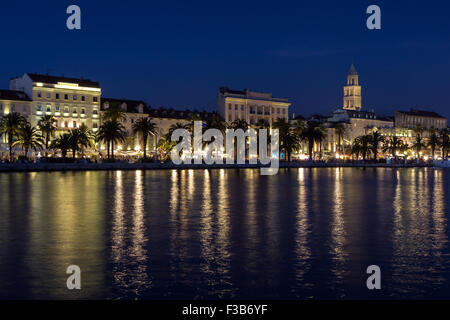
[303, 233]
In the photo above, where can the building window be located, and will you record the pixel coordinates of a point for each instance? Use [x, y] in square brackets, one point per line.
[74, 124]
[95, 112]
[95, 99]
[57, 96]
[83, 111]
[66, 124]
[83, 98]
[74, 97]
[95, 125]
[66, 96]
[39, 94]
[49, 95]
[57, 108]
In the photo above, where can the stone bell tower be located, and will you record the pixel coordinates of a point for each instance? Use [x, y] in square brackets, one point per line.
[352, 91]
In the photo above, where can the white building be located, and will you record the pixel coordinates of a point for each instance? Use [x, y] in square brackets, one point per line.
[72, 101]
[251, 106]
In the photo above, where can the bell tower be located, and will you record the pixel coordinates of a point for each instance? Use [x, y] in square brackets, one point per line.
[352, 91]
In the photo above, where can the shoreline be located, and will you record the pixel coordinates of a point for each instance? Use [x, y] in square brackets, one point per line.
[56, 167]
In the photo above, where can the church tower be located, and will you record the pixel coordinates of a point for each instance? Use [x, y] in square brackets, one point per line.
[352, 91]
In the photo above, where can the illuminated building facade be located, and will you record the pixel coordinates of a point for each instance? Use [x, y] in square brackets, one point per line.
[352, 91]
[13, 101]
[425, 119]
[72, 101]
[251, 106]
[133, 110]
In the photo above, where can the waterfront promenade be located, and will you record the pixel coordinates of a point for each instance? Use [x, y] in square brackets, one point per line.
[35, 167]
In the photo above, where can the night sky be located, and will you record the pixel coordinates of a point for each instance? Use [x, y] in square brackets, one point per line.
[178, 53]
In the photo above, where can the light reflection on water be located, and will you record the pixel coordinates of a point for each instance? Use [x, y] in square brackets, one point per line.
[304, 233]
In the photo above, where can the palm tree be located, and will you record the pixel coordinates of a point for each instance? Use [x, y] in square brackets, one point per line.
[62, 143]
[47, 125]
[262, 124]
[418, 145]
[179, 125]
[356, 148]
[192, 118]
[239, 124]
[313, 133]
[433, 141]
[215, 122]
[363, 145]
[340, 130]
[291, 142]
[9, 126]
[288, 138]
[393, 145]
[74, 141]
[165, 145]
[375, 139]
[86, 138]
[299, 126]
[111, 132]
[29, 138]
[114, 112]
[144, 127]
[444, 142]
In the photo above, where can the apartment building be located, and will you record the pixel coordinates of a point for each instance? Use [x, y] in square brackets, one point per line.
[251, 106]
[72, 101]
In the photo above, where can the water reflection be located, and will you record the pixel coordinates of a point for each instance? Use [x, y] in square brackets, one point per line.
[129, 253]
[225, 233]
[223, 229]
[419, 221]
[302, 241]
[338, 232]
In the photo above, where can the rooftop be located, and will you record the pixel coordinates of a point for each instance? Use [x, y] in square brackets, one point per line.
[248, 94]
[55, 79]
[171, 113]
[352, 70]
[422, 113]
[13, 95]
[131, 105]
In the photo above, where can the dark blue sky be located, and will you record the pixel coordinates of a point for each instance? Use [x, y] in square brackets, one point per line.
[177, 53]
